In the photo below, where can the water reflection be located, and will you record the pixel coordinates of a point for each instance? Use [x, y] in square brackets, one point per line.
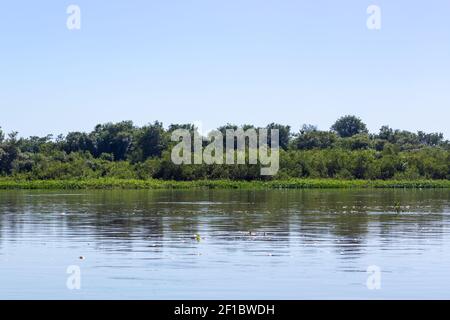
[150, 233]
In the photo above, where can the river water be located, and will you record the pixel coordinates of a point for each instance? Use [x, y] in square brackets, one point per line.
[225, 244]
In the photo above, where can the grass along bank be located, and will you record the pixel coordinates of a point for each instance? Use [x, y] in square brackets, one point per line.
[110, 183]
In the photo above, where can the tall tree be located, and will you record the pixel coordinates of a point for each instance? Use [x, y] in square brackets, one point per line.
[152, 140]
[284, 134]
[79, 141]
[114, 138]
[9, 152]
[348, 126]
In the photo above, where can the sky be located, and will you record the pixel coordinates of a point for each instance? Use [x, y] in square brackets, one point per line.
[218, 62]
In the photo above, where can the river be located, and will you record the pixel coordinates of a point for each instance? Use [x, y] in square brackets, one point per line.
[225, 244]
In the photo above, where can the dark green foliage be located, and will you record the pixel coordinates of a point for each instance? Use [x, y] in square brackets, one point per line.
[125, 151]
[79, 141]
[114, 138]
[348, 126]
[308, 140]
[9, 152]
[151, 141]
[284, 134]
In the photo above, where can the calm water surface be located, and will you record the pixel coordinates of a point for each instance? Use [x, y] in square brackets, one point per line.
[293, 244]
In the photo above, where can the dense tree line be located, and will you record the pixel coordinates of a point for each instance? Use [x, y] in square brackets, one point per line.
[123, 150]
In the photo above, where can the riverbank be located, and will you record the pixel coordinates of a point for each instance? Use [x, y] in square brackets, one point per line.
[108, 183]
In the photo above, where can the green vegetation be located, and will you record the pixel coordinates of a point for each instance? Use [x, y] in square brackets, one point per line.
[122, 155]
[113, 183]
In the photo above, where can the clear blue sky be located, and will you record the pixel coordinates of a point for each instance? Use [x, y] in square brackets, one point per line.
[217, 61]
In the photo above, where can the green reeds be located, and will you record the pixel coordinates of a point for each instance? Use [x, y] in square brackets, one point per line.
[112, 183]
